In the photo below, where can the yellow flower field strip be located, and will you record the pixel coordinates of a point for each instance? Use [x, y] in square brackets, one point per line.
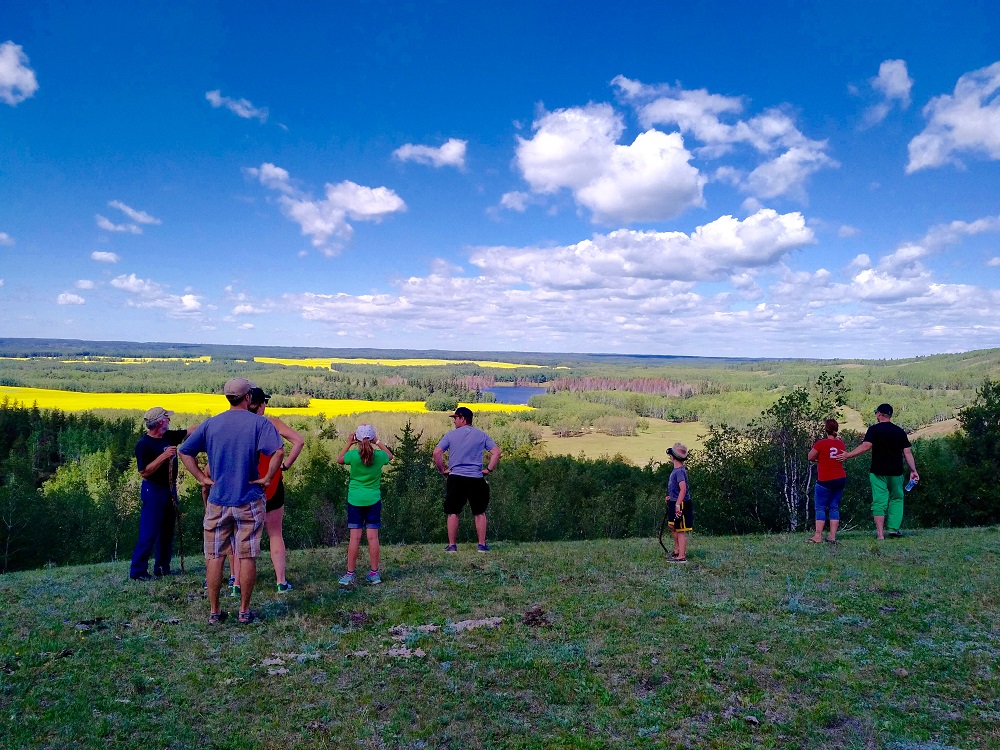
[207, 403]
[326, 362]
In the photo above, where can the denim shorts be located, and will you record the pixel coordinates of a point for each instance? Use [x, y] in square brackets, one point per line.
[364, 516]
[828, 499]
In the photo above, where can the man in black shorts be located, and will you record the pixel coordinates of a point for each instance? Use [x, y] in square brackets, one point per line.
[466, 446]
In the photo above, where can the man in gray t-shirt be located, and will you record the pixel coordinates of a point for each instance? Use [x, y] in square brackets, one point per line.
[466, 482]
[235, 507]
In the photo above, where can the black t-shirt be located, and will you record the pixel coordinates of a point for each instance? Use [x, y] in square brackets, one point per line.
[888, 441]
[148, 448]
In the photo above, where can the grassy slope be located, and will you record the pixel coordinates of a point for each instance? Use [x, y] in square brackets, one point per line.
[758, 642]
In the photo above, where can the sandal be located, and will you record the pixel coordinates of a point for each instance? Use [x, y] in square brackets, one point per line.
[810, 540]
[217, 618]
[678, 559]
[245, 618]
[831, 541]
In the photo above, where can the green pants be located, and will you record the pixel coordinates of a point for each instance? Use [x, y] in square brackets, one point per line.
[887, 499]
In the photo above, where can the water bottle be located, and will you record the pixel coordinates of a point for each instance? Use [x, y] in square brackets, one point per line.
[911, 484]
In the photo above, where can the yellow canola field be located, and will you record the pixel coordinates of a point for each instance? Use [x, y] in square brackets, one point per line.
[207, 403]
[327, 362]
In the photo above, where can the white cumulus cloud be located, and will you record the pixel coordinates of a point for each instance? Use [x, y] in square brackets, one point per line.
[893, 84]
[84, 284]
[450, 154]
[67, 298]
[103, 256]
[17, 80]
[577, 148]
[325, 220]
[144, 293]
[712, 120]
[964, 122]
[240, 107]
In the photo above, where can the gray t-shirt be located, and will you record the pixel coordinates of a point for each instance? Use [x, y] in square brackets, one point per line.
[232, 441]
[465, 446]
[678, 475]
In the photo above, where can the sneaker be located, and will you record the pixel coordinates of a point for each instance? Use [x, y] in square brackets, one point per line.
[235, 591]
[347, 579]
[204, 584]
[245, 618]
[451, 548]
[483, 548]
[232, 581]
[284, 588]
[373, 577]
[678, 559]
[895, 534]
[143, 576]
[217, 618]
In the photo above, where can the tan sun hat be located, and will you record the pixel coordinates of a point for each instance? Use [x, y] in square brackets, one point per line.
[678, 451]
[156, 414]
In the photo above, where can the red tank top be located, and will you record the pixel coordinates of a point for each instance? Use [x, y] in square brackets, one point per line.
[262, 466]
[829, 468]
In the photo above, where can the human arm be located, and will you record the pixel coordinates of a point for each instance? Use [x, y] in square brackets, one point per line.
[680, 497]
[292, 437]
[191, 464]
[380, 445]
[351, 440]
[495, 454]
[813, 455]
[863, 448]
[908, 455]
[151, 468]
[439, 460]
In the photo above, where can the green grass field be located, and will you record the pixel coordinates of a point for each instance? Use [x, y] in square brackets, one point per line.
[758, 642]
[638, 449]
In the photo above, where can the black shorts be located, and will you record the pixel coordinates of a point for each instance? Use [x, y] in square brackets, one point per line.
[461, 490]
[686, 521]
[279, 497]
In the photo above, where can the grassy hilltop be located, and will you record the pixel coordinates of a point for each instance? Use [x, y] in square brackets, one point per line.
[758, 642]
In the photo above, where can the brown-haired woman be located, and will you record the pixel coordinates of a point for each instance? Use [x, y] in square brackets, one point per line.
[830, 482]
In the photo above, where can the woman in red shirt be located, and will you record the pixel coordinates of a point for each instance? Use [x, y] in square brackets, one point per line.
[830, 483]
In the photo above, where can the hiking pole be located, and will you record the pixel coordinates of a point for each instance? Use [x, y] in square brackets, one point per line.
[178, 514]
[663, 525]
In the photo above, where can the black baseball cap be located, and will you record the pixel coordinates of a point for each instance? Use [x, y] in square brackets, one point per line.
[464, 412]
[884, 409]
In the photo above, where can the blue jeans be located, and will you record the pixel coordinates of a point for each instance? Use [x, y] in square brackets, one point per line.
[828, 499]
[156, 530]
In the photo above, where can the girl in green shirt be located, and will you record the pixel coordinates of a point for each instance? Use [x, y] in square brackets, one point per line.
[365, 455]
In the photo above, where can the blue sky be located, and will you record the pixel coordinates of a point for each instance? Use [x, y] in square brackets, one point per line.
[787, 179]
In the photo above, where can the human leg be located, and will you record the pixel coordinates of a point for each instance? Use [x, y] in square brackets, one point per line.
[214, 575]
[218, 527]
[148, 528]
[480, 527]
[276, 542]
[682, 545]
[894, 516]
[821, 499]
[374, 549]
[352, 549]
[249, 526]
[880, 502]
[833, 511]
[165, 537]
[452, 529]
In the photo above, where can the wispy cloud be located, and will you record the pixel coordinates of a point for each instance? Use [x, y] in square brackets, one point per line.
[103, 222]
[144, 293]
[84, 284]
[450, 154]
[17, 80]
[140, 217]
[325, 220]
[966, 121]
[6, 240]
[103, 256]
[240, 107]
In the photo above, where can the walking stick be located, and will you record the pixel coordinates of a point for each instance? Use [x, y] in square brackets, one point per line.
[178, 514]
[663, 525]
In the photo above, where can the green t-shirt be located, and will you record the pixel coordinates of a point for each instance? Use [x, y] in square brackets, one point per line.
[364, 487]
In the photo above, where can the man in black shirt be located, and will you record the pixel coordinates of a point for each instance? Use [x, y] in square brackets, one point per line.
[156, 459]
[889, 446]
